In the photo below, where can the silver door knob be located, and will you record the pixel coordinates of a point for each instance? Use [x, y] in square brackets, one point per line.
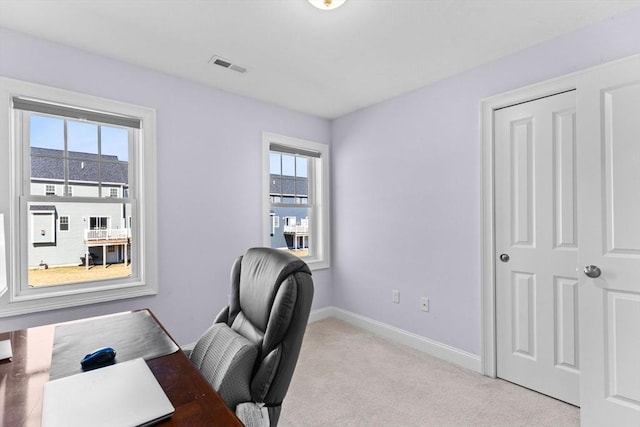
[504, 258]
[592, 271]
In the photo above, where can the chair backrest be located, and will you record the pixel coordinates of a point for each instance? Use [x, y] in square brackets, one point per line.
[271, 295]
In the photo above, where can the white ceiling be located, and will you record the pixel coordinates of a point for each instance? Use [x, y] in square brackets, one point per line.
[325, 63]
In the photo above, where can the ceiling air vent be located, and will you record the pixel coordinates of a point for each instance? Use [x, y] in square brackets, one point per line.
[224, 63]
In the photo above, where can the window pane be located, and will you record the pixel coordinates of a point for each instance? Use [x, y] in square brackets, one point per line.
[274, 163]
[288, 186]
[61, 258]
[301, 166]
[46, 132]
[115, 142]
[293, 235]
[85, 171]
[115, 173]
[302, 187]
[43, 170]
[276, 185]
[82, 137]
[288, 165]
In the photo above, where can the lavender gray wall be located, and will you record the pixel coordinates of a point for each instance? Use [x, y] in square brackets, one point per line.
[209, 148]
[407, 187]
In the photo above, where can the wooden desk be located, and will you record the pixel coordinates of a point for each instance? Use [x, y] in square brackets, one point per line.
[22, 381]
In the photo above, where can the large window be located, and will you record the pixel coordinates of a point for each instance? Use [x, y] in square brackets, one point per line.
[296, 188]
[62, 140]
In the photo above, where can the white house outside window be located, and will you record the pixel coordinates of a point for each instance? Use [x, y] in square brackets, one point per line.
[64, 223]
[296, 188]
[64, 140]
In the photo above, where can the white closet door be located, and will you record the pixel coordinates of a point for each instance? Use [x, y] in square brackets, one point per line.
[609, 229]
[536, 228]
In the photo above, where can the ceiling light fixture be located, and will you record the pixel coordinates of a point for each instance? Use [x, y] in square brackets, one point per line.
[327, 4]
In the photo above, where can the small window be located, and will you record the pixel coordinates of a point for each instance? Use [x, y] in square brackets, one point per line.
[64, 223]
[49, 190]
[69, 191]
[296, 187]
[113, 192]
[98, 222]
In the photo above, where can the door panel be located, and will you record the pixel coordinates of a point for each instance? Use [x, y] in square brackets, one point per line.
[521, 166]
[564, 180]
[623, 342]
[566, 314]
[622, 171]
[523, 316]
[536, 225]
[609, 227]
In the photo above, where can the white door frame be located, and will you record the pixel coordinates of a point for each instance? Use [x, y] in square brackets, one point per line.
[488, 291]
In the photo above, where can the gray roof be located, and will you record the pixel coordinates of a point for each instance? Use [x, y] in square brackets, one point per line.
[47, 163]
[42, 208]
[288, 185]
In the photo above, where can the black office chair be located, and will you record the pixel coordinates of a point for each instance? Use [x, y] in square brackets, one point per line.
[250, 352]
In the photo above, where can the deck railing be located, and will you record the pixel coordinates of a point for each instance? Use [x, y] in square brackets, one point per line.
[107, 234]
[296, 229]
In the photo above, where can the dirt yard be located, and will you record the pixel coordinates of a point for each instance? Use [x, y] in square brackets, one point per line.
[64, 275]
[299, 252]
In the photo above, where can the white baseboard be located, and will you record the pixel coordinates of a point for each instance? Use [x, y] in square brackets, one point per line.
[321, 313]
[434, 348]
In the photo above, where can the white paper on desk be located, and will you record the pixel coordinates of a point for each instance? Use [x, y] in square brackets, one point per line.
[3, 259]
[5, 350]
[124, 394]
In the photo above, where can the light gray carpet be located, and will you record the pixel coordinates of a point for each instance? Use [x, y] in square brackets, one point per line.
[347, 376]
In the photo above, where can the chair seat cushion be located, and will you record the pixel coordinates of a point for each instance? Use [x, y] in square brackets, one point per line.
[226, 359]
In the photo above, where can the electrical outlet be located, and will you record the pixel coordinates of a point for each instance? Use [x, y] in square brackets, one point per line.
[395, 296]
[424, 304]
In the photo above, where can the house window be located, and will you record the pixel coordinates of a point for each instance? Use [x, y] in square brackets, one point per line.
[62, 138]
[113, 192]
[296, 188]
[64, 223]
[98, 223]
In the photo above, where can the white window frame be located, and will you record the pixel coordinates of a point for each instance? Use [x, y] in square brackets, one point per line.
[19, 299]
[49, 190]
[319, 257]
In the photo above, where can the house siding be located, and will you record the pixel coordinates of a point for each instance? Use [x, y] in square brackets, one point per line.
[69, 246]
